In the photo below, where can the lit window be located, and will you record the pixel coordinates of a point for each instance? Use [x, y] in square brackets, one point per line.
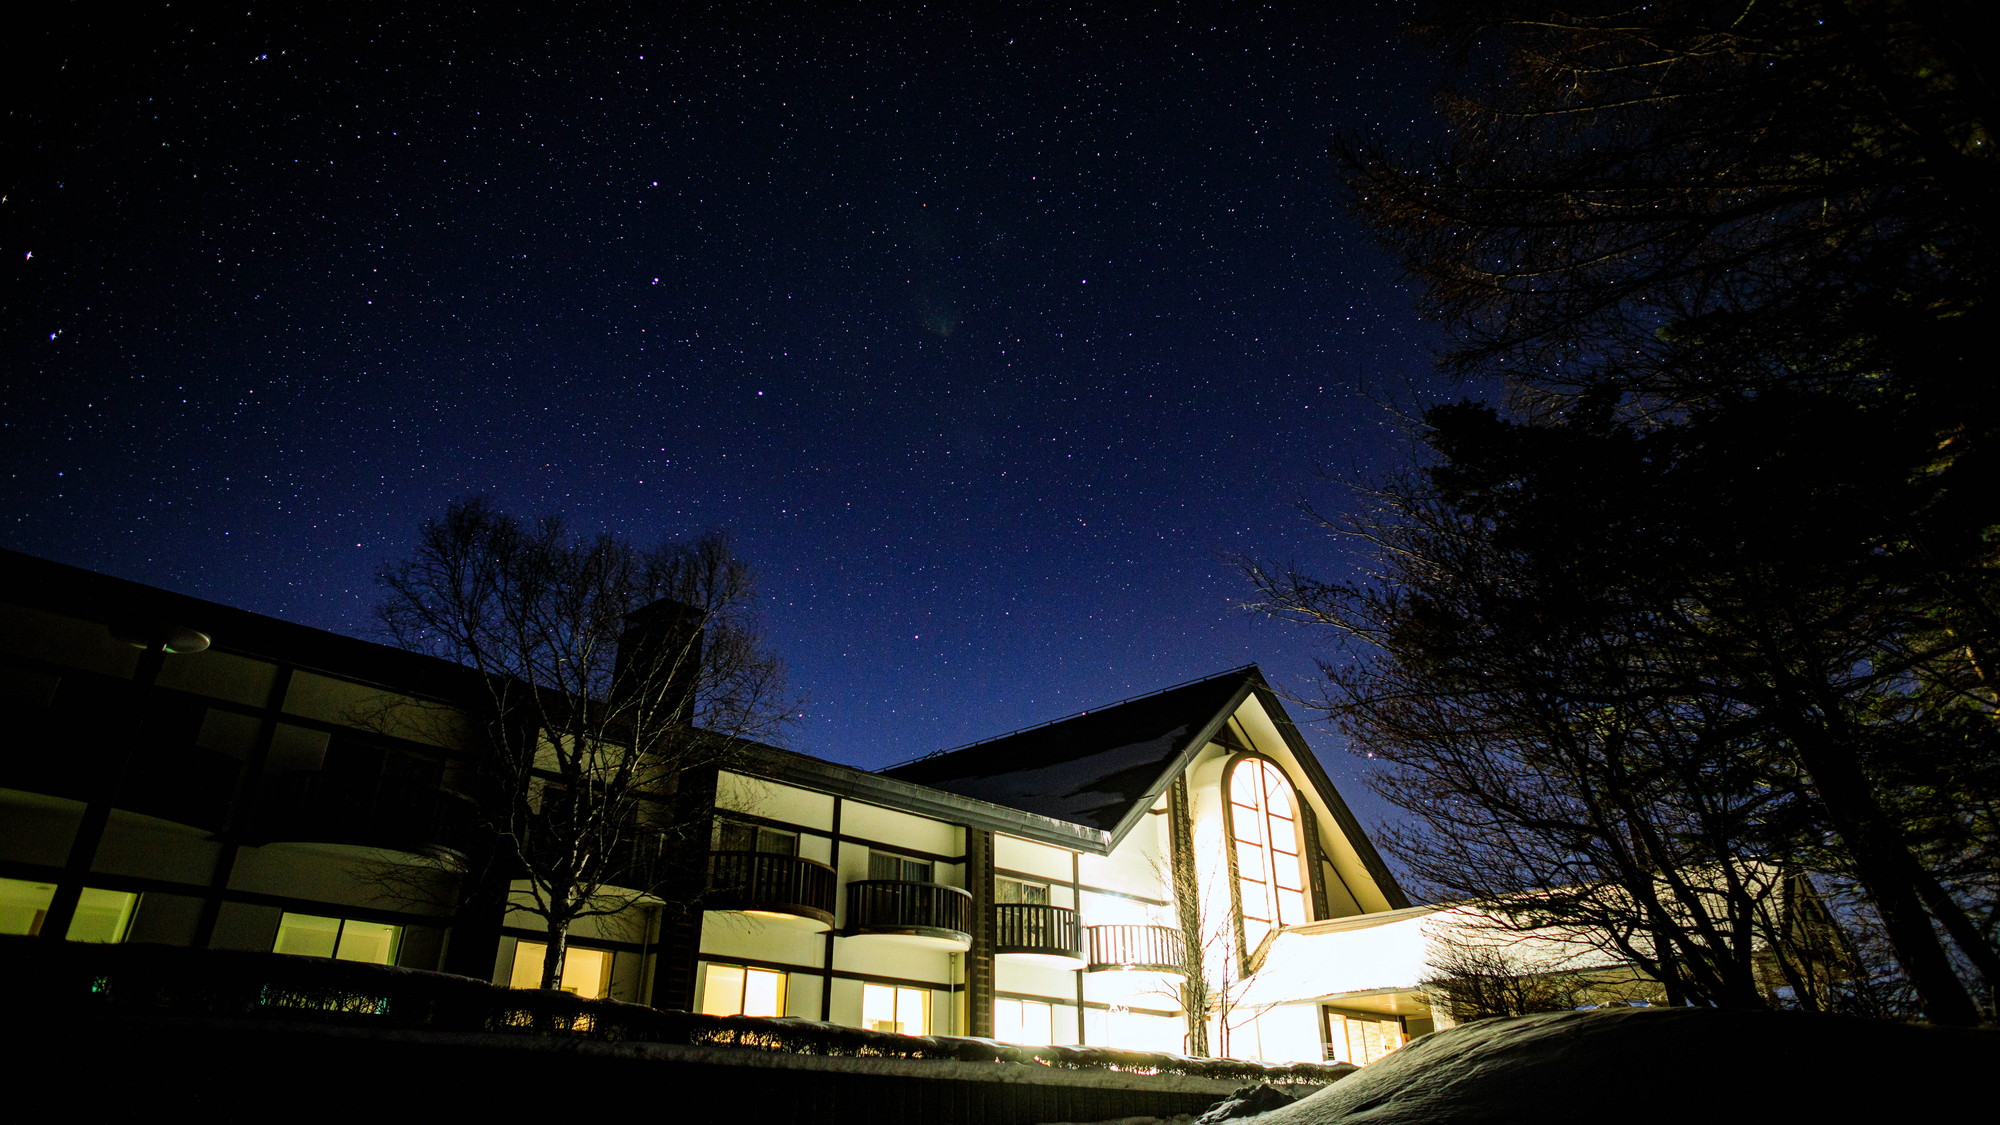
[586, 972]
[1023, 1021]
[343, 939]
[902, 1010]
[101, 915]
[737, 990]
[1013, 891]
[889, 865]
[1270, 882]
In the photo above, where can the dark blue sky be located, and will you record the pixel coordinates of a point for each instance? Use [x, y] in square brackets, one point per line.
[987, 337]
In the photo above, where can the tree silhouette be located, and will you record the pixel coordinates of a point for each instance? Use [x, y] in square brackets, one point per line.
[608, 673]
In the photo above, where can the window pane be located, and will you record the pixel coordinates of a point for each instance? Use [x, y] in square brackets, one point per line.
[23, 904]
[878, 1007]
[1284, 836]
[733, 837]
[1256, 901]
[528, 958]
[1279, 793]
[1243, 784]
[763, 993]
[372, 942]
[102, 916]
[1287, 867]
[913, 1010]
[307, 935]
[1250, 862]
[777, 843]
[586, 972]
[722, 991]
[1244, 823]
[1037, 1023]
[1007, 1021]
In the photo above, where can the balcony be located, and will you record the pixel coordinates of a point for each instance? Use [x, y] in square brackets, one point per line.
[926, 913]
[1039, 932]
[314, 807]
[1152, 948]
[782, 888]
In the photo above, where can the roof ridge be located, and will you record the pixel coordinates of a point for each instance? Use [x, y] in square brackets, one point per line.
[1236, 671]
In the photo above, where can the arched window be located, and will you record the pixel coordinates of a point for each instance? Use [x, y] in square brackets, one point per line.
[1270, 878]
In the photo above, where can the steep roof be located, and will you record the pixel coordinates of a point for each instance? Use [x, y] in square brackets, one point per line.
[1101, 768]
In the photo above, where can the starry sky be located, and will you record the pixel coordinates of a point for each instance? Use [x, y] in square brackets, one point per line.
[988, 332]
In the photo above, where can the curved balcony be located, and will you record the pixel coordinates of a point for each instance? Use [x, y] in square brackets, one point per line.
[1152, 948]
[783, 888]
[1034, 930]
[929, 913]
[311, 806]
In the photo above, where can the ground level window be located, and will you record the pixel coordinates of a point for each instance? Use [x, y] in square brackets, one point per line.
[903, 1010]
[1023, 1021]
[101, 915]
[343, 939]
[586, 972]
[736, 990]
[1361, 1039]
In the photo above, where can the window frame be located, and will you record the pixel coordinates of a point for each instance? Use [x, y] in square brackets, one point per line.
[783, 989]
[901, 999]
[1256, 837]
[395, 938]
[907, 864]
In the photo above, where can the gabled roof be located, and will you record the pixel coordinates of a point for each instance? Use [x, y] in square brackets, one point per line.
[1101, 768]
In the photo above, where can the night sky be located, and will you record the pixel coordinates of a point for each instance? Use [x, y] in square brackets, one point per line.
[987, 337]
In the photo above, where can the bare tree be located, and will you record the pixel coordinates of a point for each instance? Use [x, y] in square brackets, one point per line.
[606, 674]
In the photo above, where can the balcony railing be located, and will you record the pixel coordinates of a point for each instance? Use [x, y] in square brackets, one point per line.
[1020, 927]
[894, 906]
[771, 881]
[1156, 948]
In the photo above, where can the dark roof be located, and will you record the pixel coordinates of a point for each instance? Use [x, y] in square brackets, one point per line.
[87, 595]
[1100, 768]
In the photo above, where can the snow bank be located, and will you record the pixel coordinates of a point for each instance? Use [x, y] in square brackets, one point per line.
[1661, 1065]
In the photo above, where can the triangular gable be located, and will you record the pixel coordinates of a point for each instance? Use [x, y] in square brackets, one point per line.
[1102, 768]
[1105, 768]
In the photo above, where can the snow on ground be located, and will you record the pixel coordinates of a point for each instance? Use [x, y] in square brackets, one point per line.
[1642, 1065]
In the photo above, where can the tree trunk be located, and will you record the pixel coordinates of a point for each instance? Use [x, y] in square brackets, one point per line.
[552, 960]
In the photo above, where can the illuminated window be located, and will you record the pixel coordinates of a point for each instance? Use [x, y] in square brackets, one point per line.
[737, 990]
[1015, 891]
[343, 939]
[1023, 1021]
[586, 972]
[889, 1008]
[1270, 879]
[101, 915]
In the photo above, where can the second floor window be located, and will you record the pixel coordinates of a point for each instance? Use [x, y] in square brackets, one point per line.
[889, 865]
[1011, 891]
[736, 836]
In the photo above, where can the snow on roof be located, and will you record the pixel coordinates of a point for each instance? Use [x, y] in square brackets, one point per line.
[1090, 769]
